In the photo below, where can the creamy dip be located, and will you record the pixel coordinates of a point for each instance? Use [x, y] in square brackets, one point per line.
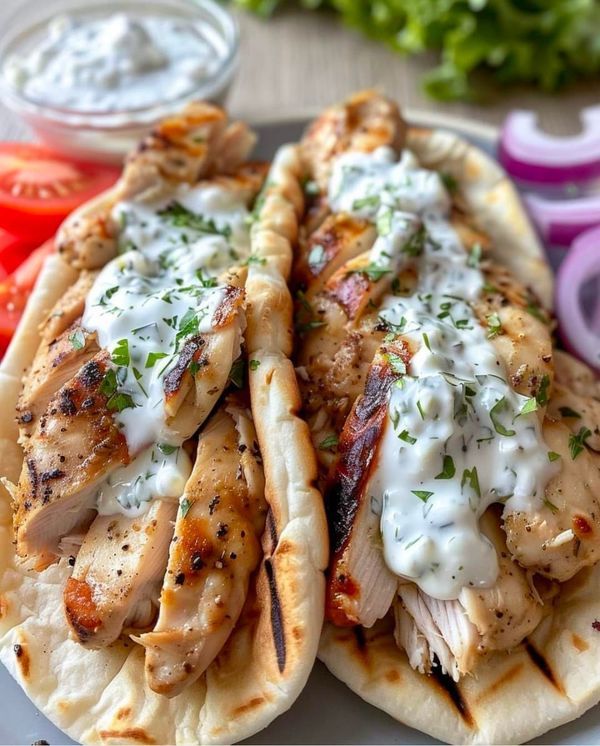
[458, 437]
[143, 306]
[118, 63]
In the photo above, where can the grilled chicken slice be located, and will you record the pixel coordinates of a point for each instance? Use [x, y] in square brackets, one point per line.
[74, 446]
[361, 587]
[480, 621]
[563, 535]
[365, 121]
[215, 550]
[118, 573]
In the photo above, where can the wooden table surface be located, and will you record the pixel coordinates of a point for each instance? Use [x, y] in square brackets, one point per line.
[300, 61]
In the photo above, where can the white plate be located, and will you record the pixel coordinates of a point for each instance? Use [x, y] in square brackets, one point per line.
[326, 712]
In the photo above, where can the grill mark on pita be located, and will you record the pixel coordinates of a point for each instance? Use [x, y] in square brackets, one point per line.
[544, 667]
[133, 734]
[271, 532]
[276, 617]
[452, 690]
[359, 636]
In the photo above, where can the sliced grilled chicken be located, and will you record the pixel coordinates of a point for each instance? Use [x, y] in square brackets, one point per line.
[118, 573]
[480, 621]
[365, 121]
[360, 588]
[215, 550]
[74, 446]
[563, 535]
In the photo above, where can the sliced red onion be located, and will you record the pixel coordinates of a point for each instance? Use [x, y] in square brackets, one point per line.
[582, 263]
[560, 222]
[534, 156]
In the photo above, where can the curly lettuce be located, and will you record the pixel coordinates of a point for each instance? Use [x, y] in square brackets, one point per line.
[545, 43]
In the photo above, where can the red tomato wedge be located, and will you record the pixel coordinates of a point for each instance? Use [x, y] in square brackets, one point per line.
[15, 290]
[14, 250]
[39, 188]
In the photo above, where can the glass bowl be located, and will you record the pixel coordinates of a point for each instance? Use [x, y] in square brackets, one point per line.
[108, 136]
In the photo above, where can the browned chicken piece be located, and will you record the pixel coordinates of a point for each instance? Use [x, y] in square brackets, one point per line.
[54, 365]
[562, 536]
[215, 550]
[118, 573]
[365, 121]
[87, 241]
[67, 310]
[576, 398]
[478, 622]
[74, 446]
[338, 239]
[360, 588]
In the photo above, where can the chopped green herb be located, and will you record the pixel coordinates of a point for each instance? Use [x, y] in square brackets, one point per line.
[471, 478]
[153, 357]
[415, 244]
[568, 412]
[109, 383]
[530, 406]
[535, 310]
[500, 406]
[397, 364]
[120, 355]
[257, 260]
[373, 271]
[384, 223]
[422, 494]
[328, 443]
[194, 367]
[254, 364]
[167, 449]
[184, 507]
[420, 408]
[551, 506]
[426, 341]
[77, 339]
[553, 456]
[188, 325]
[181, 217]
[494, 325]
[449, 182]
[120, 401]
[407, 437]
[237, 373]
[577, 442]
[371, 201]
[474, 256]
[448, 470]
[542, 394]
[205, 280]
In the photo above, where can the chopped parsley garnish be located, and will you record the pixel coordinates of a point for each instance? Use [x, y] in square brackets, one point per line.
[530, 405]
[542, 394]
[551, 506]
[422, 494]
[471, 478]
[415, 244]
[448, 470]
[420, 408]
[577, 442]
[188, 325]
[257, 260]
[120, 355]
[153, 357]
[396, 363]
[237, 373]
[181, 217]
[407, 437]
[167, 449]
[205, 280]
[568, 412]
[306, 319]
[494, 325]
[254, 364]
[535, 310]
[426, 341]
[553, 456]
[120, 401]
[184, 507]
[371, 201]
[372, 271]
[77, 340]
[384, 223]
[500, 406]
[474, 256]
[328, 443]
[449, 181]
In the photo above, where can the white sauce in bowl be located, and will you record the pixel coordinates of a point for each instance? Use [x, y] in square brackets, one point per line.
[143, 306]
[458, 437]
[119, 63]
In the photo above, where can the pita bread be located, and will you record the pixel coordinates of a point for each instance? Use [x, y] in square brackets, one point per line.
[553, 676]
[101, 695]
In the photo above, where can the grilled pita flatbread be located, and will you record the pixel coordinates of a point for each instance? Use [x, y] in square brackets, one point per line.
[101, 695]
[552, 677]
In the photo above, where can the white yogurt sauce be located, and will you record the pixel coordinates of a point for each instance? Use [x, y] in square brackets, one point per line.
[117, 63]
[143, 306]
[456, 439]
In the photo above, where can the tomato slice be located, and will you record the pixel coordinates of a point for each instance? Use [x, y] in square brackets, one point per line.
[39, 188]
[14, 250]
[15, 290]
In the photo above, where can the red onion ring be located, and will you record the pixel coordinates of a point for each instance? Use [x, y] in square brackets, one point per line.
[534, 156]
[582, 263]
[560, 222]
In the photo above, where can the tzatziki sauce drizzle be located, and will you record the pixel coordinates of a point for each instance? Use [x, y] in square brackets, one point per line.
[160, 291]
[458, 438]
